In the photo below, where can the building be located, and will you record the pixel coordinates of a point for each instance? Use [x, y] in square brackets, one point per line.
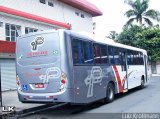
[18, 17]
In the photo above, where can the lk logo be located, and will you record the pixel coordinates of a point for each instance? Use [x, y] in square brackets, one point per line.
[39, 41]
[8, 109]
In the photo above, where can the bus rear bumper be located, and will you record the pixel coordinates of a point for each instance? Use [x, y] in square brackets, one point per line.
[41, 97]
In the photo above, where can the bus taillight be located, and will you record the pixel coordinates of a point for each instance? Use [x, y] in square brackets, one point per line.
[17, 80]
[63, 81]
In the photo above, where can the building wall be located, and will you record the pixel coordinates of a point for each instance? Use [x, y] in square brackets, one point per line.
[21, 22]
[60, 12]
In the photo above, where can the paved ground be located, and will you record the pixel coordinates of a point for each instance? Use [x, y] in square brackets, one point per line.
[135, 101]
[10, 98]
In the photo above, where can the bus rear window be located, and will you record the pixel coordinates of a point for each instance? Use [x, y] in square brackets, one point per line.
[38, 46]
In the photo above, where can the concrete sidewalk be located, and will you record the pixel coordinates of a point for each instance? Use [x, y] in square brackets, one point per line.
[10, 98]
[156, 76]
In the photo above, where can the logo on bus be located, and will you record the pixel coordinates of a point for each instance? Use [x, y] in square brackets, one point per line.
[93, 78]
[37, 42]
[51, 73]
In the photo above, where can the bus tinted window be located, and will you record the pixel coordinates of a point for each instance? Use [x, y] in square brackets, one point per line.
[97, 55]
[110, 51]
[104, 54]
[87, 46]
[132, 57]
[122, 54]
[116, 56]
[141, 62]
[77, 51]
[136, 58]
[129, 60]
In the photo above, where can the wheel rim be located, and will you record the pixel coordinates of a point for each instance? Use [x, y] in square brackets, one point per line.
[110, 93]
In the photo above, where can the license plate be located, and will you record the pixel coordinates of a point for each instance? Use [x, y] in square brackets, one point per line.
[39, 85]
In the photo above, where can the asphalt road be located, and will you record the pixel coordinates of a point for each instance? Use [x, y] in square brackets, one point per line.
[145, 100]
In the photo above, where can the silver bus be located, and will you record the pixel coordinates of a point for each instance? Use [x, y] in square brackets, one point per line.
[65, 66]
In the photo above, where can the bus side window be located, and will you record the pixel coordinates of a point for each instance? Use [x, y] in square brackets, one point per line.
[104, 54]
[97, 55]
[132, 57]
[116, 56]
[88, 58]
[111, 53]
[77, 51]
[136, 60]
[141, 59]
[128, 57]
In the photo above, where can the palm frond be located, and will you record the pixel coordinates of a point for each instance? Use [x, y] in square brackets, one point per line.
[130, 13]
[153, 14]
[144, 6]
[130, 3]
[129, 22]
[148, 21]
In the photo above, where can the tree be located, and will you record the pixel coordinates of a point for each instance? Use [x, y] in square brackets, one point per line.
[128, 35]
[149, 39]
[113, 35]
[139, 12]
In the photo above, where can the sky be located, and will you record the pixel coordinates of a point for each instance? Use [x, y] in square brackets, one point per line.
[113, 17]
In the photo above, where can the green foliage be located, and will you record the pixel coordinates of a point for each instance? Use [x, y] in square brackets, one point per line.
[128, 35]
[113, 35]
[145, 38]
[139, 12]
[149, 39]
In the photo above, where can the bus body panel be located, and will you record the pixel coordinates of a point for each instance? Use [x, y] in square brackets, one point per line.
[91, 82]
[40, 71]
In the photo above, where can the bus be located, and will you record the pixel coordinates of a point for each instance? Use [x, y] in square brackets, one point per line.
[65, 66]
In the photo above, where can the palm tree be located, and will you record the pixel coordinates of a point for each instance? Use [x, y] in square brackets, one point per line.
[139, 12]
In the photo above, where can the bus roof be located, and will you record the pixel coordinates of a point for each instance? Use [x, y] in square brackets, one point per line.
[104, 40]
[88, 37]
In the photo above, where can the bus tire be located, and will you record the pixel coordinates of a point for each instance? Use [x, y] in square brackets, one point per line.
[142, 82]
[110, 93]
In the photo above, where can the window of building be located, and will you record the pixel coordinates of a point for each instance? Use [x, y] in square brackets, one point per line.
[77, 13]
[51, 4]
[12, 32]
[88, 58]
[82, 16]
[42, 1]
[30, 30]
[77, 51]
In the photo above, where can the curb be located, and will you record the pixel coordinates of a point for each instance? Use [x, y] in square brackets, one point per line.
[29, 111]
[24, 111]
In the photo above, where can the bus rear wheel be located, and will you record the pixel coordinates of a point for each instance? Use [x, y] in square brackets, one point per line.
[110, 93]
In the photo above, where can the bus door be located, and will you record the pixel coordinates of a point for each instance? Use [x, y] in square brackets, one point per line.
[124, 68]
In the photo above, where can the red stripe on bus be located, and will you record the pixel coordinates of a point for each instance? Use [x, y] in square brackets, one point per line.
[118, 78]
